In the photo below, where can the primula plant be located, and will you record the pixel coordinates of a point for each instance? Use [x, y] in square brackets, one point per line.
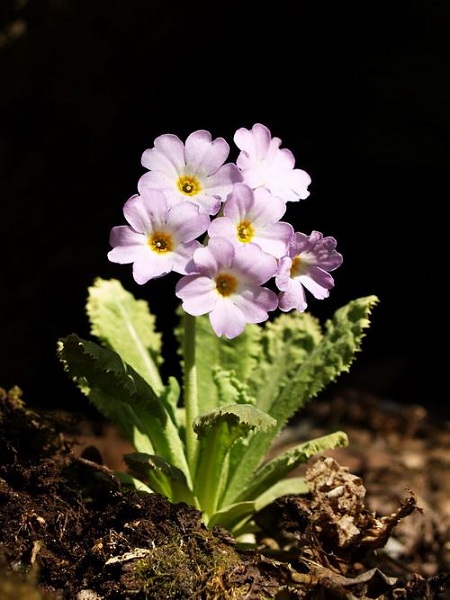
[250, 354]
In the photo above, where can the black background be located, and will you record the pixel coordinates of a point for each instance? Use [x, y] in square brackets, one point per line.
[359, 92]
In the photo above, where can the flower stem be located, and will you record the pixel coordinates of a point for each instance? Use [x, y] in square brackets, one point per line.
[190, 390]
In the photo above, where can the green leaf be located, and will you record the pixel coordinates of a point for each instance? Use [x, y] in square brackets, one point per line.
[284, 487]
[168, 476]
[124, 397]
[128, 480]
[238, 517]
[96, 369]
[230, 389]
[237, 356]
[217, 431]
[334, 355]
[231, 516]
[324, 361]
[276, 470]
[240, 417]
[126, 325]
[285, 344]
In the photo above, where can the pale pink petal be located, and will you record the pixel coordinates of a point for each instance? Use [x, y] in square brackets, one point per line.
[166, 156]
[282, 159]
[321, 277]
[204, 156]
[274, 239]
[198, 294]
[186, 222]
[254, 142]
[239, 202]
[135, 213]
[222, 227]
[150, 265]
[255, 302]
[126, 243]
[146, 212]
[160, 181]
[266, 208]
[290, 185]
[226, 319]
[293, 297]
[253, 264]
[183, 254]
[283, 276]
[208, 204]
[221, 183]
[317, 290]
[217, 255]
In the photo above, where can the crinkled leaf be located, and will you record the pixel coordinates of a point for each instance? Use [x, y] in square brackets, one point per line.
[217, 432]
[123, 396]
[330, 358]
[237, 355]
[325, 361]
[94, 368]
[230, 389]
[285, 344]
[276, 469]
[239, 417]
[127, 326]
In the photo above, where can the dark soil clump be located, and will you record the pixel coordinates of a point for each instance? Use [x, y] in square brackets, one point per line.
[68, 531]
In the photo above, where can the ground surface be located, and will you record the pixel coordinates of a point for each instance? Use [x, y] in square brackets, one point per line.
[375, 525]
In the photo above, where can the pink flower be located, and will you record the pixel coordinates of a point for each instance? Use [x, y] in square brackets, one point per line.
[225, 282]
[158, 239]
[193, 170]
[307, 266]
[264, 164]
[253, 217]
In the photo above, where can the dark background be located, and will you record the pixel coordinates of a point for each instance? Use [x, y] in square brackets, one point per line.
[359, 92]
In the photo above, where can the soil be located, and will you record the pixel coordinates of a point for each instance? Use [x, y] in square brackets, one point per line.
[375, 523]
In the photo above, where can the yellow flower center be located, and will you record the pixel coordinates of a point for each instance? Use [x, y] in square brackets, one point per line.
[189, 185]
[226, 284]
[296, 267]
[245, 231]
[160, 242]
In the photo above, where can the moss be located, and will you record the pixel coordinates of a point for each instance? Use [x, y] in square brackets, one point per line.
[198, 568]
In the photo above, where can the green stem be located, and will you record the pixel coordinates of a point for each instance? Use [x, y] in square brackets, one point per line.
[209, 475]
[190, 390]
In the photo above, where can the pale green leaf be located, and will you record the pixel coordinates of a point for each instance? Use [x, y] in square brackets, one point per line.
[325, 361]
[285, 487]
[276, 469]
[242, 417]
[291, 486]
[285, 344]
[127, 326]
[217, 432]
[232, 515]
[123, 396]
[330, 358]
[230, 389]
[128, 480]
[153, 467]
[237, 356]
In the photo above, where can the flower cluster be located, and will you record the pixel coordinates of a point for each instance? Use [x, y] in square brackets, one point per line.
[190, 191]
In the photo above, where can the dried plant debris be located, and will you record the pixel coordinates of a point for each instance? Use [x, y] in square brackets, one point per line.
[69, 532]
